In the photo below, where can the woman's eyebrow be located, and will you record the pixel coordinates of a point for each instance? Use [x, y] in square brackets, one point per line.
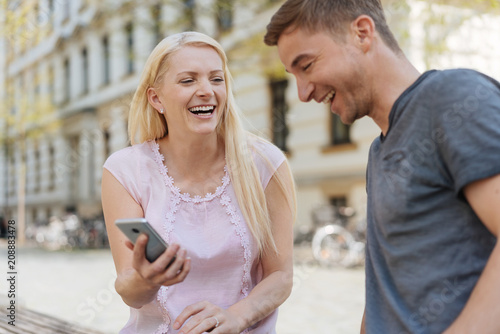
[195, 73]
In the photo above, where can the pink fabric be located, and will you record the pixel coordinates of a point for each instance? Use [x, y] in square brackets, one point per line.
[224, 255]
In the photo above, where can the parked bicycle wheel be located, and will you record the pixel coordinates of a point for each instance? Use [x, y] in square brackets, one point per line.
[332, 245]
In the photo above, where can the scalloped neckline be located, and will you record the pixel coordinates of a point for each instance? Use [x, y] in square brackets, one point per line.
[170, 182]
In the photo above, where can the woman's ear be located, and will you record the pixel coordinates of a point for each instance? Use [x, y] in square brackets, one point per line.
[154, 99]
[363, 29]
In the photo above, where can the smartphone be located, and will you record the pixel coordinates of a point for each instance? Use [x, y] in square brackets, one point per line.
[133, 227]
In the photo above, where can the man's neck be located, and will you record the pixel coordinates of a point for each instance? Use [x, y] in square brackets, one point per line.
[393, 75]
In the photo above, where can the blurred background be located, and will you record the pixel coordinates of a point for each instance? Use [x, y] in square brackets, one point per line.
[68, 70]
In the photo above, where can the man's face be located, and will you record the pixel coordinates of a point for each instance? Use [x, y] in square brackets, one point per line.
[327, 71]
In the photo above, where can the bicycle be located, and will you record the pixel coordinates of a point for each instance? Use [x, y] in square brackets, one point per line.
[333, 244]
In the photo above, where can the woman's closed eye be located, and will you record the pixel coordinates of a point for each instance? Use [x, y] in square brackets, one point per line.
[218, 79]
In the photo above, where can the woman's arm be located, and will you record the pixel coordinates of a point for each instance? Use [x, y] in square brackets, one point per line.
[363, 327]
[138, 280]
[275, 286]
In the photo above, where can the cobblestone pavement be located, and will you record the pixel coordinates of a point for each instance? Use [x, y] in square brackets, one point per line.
[78, 287]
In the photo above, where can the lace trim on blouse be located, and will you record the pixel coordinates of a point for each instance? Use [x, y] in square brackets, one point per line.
[225, 200]
[186, 197]
[162, 297]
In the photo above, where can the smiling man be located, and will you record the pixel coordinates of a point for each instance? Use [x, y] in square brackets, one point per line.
[433, 177]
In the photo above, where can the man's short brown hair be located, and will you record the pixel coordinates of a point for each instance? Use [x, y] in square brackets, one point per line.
[328, 15]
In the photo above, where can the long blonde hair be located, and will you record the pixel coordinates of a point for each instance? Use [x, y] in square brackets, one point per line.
[145, 123]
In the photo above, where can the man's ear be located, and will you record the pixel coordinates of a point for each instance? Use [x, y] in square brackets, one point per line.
[154, 99]
[363, 30]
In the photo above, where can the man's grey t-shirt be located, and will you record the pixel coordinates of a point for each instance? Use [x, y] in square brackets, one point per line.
[426, 248]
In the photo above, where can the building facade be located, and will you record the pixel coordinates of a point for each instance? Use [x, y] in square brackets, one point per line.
[68, 70]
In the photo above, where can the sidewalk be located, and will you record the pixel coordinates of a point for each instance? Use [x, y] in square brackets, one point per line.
[323, 300]
[78, 287]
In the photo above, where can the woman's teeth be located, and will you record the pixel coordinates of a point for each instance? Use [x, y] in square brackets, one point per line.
[203, 110]
[329, 97]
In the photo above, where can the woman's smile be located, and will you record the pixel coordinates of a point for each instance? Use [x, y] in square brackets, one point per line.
[193, 91]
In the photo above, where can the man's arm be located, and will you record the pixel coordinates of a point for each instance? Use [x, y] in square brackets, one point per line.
[482, 311]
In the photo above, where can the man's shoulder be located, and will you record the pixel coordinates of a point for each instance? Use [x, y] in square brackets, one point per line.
[453, 89]
[460, 78]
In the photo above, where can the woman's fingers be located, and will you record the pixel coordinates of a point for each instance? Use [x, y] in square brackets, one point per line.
[140, 252]
[166, 259]
[169, 268]
[173, 268]
[191, 310]
[206, 325]
[129, 245]
[178, 276]
[201, 318]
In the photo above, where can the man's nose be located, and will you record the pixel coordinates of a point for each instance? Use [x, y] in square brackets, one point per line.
[305, 90]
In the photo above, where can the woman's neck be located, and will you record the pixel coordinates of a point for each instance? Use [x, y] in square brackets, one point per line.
[193, 158]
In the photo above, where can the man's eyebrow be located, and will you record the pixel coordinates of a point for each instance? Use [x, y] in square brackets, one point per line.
[298, 59]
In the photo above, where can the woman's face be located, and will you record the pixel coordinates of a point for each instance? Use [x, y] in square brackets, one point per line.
[193, 91]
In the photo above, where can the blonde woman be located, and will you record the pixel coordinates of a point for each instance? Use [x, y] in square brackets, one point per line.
[223, 199]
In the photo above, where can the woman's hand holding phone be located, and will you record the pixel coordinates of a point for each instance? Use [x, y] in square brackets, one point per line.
[162, 271]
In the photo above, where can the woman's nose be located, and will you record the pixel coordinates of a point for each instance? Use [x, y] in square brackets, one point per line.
[205, 89]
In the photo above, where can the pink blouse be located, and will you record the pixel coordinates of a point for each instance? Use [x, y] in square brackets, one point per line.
[224, 257]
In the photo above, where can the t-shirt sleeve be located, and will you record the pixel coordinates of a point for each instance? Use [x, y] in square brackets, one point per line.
[268, 158]
[124, 166]
[467, 126]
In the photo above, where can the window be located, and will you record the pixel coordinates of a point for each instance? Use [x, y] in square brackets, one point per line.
[189, 7]
[21, 85]
[73, 155]
[38, 86]
[50, 11]
[338, 202]
[52, 168]
[31, 83]
[11, 170]
[106, 70]
[340, 132]
[157, 31]
[66, 9]
[129, 29]
[11, 96]
[224, 14]
[85, 71]
[341, 209]
[34, 212]
[67, 78]
[38, 14]
[43, 14]
[13, 177]
[279, 110]
[50, 83]
[107, 144]
[37, 180]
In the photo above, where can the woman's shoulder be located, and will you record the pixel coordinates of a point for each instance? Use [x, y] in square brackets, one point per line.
[267, 157]
[128, 156]
[266, 150]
